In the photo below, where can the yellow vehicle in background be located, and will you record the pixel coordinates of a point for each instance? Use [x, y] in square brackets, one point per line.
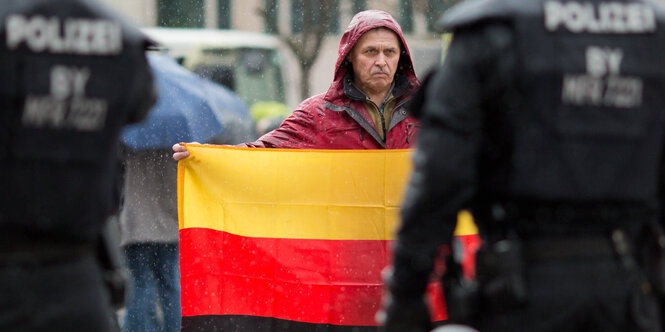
[248, 63]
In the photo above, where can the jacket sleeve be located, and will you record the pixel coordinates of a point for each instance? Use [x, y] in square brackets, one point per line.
[296, 132]
[445, 177]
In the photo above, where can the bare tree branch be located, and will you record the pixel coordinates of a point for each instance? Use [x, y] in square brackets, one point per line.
[305, 45]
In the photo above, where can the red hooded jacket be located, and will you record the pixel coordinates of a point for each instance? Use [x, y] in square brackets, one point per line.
[338, 119]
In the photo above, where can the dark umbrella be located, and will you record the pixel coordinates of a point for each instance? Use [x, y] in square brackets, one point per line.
[189, 108]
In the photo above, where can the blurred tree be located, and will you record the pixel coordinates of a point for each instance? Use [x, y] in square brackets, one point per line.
[316, 19]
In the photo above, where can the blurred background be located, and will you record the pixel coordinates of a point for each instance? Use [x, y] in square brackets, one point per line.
[274, 53]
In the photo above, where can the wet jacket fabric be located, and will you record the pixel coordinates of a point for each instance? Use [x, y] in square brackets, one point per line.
[338, 118]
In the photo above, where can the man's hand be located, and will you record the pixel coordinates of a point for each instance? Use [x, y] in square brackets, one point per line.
[180, 151]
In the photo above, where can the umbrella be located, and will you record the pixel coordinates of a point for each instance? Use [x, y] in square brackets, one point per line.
[189, 108]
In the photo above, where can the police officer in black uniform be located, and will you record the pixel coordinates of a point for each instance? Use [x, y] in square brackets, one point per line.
[73, 73]
[545, 121]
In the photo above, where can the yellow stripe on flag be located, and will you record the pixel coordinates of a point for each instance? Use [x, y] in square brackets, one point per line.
[297, 194]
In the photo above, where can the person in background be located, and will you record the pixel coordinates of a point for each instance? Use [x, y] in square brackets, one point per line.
[149, 239]
[149, 232]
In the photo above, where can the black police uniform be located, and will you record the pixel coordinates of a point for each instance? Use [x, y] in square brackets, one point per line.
[546, 121]
[73, 73]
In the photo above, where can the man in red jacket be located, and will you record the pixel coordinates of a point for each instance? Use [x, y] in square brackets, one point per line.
[364, 106]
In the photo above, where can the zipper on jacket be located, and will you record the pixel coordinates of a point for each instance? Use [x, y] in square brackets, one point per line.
[383, 122]
[365, 125]
[361, 135]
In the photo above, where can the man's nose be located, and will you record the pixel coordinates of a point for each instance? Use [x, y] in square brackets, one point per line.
[381, 60]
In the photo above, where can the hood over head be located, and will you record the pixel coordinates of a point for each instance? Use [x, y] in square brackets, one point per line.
[361, 23]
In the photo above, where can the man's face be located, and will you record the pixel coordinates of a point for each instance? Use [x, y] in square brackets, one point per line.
[374, 59]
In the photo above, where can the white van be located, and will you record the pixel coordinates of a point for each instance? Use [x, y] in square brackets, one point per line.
[249, 63]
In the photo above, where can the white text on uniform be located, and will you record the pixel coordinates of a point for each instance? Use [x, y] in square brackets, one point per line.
[79, 36]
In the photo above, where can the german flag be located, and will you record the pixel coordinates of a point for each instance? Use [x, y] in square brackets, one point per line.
[287, 240]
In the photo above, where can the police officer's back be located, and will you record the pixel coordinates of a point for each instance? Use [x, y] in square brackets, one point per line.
[72, 75]
[546, 120]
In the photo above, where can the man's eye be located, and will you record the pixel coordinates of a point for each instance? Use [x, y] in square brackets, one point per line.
[371, 51]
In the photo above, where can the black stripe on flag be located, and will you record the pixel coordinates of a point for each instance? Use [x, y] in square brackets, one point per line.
[231, 323]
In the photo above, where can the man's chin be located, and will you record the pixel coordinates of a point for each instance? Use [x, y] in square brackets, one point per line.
[382, 86]
[380, 83]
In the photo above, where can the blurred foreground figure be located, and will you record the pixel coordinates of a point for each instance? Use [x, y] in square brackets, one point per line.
[73, 74]
[546, 121]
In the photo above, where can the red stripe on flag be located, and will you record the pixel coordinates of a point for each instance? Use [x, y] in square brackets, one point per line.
[315, 281]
